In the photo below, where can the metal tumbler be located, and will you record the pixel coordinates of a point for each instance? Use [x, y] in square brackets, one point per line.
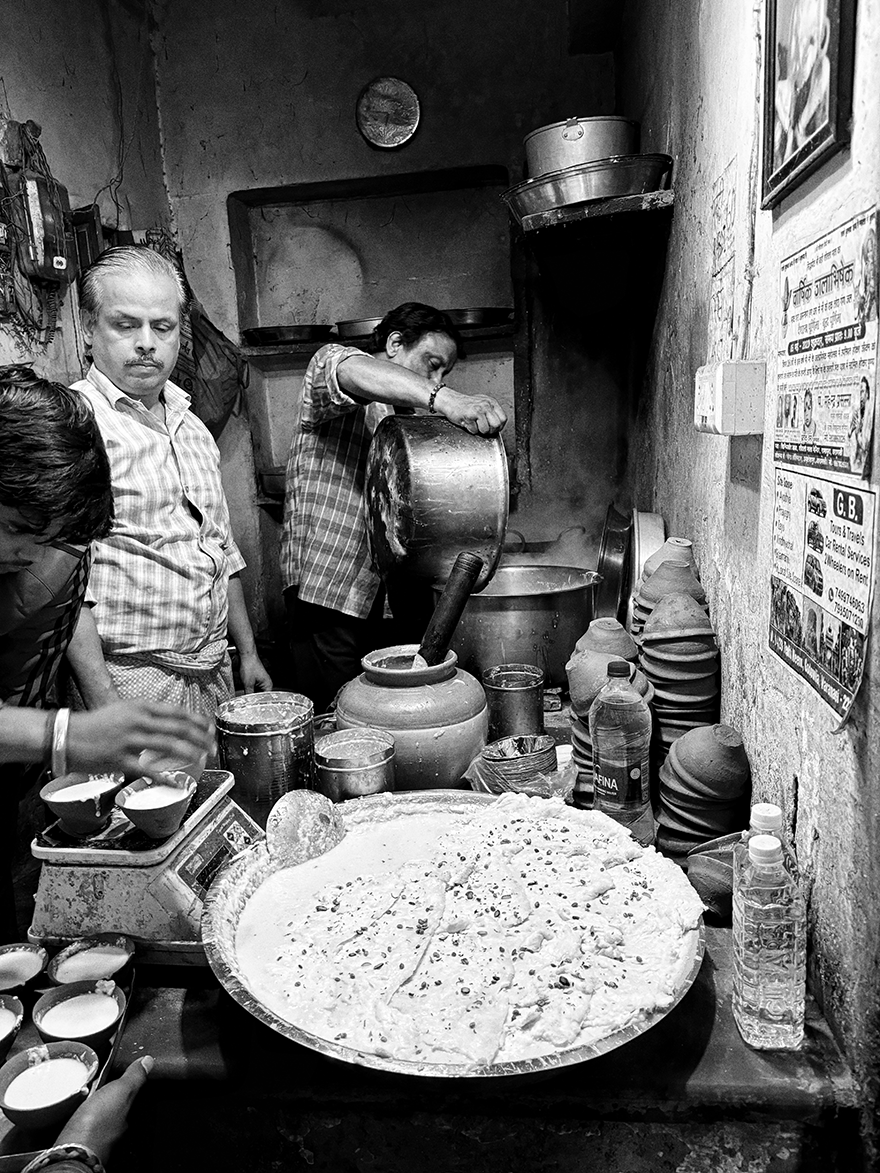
[352, 763]
[515, 696]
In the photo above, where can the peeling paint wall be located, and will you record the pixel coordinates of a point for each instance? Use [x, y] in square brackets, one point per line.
[689, 73]
[253, 97]
[83, 70]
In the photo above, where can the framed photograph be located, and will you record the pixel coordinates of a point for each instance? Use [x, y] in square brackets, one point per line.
[808, 67]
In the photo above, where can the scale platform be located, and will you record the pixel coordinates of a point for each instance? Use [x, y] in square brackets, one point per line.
[119, 880]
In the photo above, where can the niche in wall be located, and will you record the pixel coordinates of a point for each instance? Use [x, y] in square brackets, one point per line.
[318, 253]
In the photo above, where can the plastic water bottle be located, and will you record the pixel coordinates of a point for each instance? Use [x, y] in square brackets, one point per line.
[620, 730]
[765, 819]
[769, 949]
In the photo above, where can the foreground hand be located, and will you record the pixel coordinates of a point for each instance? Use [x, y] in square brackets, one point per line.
[254, 677]
[112, 738]
[479, 414]
[102, 1119]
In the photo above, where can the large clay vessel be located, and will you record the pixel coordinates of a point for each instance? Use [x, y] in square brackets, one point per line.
[436, 714]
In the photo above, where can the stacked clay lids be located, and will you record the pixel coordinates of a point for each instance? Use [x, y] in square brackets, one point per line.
[674, 576]
[679, 656]
[587, 672]
[705, 787]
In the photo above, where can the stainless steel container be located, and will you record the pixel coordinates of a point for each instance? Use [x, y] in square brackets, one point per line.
[515, 696]
[266, 741]
[529, 615]
[621, 176]
[353, 762]
[579, 140]
[432, 491]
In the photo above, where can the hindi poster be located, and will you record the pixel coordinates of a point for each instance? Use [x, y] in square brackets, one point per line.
[822, 582]
[826, 384]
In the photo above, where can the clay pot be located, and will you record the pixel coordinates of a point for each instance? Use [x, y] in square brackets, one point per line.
[668, 651]
[587, 672]
[674, 576]
[716, 755]
[690, 692]
[680, 549]
[437, 715]
[607, 635]
[659, 670]
[677, 616]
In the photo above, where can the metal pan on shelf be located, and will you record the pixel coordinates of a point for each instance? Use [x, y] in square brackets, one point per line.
[357, 328]
[621, 175]
[483, 316]
[279, 335]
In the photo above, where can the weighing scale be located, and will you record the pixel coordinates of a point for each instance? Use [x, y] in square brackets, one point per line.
[119, 880]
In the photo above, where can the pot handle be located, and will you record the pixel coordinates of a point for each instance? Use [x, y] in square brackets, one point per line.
[572, 130]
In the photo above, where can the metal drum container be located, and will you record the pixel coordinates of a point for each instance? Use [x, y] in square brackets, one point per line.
[436, 714]
[353, 762]
[266, 740]
[528, 615]
[579, 140]
[433, 490]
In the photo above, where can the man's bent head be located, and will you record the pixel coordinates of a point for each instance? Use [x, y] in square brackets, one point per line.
[54, 472]
[132, 300]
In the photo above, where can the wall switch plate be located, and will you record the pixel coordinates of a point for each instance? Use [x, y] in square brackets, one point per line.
[729, 398]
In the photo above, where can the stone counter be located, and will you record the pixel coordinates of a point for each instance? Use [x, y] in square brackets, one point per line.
[688, 1095]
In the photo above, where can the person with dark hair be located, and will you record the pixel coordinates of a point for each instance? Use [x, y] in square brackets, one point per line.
[332, 590]
[55, 499]
[166, 580]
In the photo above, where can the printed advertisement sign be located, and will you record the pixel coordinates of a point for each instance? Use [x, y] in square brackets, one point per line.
[821, 582]
[827, 360]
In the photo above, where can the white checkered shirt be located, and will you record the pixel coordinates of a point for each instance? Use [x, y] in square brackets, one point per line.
[160, 579]
[324, 549]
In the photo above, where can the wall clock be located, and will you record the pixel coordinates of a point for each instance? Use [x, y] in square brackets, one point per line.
[387, 112]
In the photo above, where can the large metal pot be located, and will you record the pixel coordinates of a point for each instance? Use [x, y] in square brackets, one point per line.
[527, 615]
[433, 490]
[621, 176]
[579, 140]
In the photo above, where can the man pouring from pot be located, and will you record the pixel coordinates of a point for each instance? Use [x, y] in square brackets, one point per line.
[333, 592]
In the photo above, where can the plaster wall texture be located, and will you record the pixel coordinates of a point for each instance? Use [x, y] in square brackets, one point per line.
[83, 71]
[703, 107]
[255, 98]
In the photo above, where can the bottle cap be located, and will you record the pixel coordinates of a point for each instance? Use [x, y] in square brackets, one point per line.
[766, 816]
[619, 668]
[765, 849]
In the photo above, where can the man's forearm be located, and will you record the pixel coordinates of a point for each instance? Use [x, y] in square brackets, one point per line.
[240, 631]
[24, 734]
[86, 659]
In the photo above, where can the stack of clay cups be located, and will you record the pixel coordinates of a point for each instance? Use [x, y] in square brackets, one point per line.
[674, 576]
[705, 787]
[679, 656]
[587, 672]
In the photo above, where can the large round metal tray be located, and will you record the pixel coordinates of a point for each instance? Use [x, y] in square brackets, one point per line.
[242, 876]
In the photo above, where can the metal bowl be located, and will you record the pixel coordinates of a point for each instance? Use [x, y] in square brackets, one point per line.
[357, 328]
[278, 335]
[620, 175]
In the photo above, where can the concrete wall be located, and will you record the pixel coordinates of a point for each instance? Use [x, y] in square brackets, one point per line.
[257, 96]
[82, 69]
[690, 74]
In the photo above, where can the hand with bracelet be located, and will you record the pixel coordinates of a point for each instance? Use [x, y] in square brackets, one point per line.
[111, 738]
[478, 414]
[86, 1140]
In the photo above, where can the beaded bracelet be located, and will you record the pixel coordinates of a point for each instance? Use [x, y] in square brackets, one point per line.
[433, 396]
[66, 1152]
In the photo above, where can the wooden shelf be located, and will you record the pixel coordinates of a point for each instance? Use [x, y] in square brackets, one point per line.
[652, 201]
[279, 354]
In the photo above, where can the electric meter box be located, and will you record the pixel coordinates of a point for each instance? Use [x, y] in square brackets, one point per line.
[729, 398]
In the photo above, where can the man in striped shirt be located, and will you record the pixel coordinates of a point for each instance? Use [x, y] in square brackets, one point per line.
[165, 581]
